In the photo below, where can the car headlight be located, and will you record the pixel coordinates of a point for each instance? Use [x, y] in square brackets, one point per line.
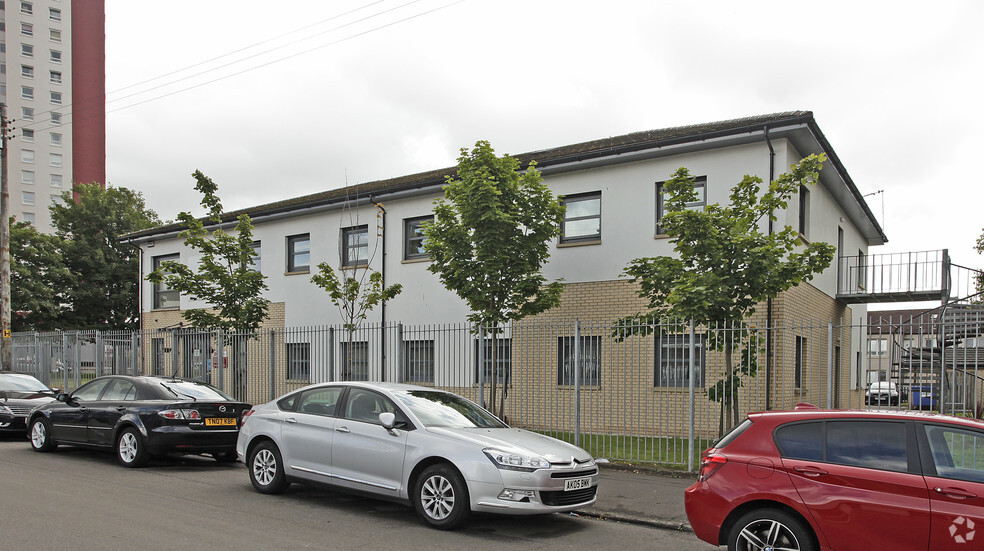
[516, 461]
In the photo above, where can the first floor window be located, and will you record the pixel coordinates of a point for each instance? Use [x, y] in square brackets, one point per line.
[589, 368]
[28, 135]
[355, 246]
[673, 360]
[299, 253]
[27, 176]
[299, 361]
[56, 180]
[27, 197]
[355, 361]
[582, 218]
[254, 260]
[700, 187]
[503, 360]
[164, 296]
[413, 235]
[29, 217]
[418, 361]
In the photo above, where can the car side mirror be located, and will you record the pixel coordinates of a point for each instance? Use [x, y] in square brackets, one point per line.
[63, 397]
[388, 420]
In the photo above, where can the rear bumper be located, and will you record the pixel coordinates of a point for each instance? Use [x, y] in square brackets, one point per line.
[172, 439]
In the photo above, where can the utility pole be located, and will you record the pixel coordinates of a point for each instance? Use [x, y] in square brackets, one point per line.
[6, 346]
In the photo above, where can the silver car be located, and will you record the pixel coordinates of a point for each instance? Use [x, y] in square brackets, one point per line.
[19, 394]
[435, 450]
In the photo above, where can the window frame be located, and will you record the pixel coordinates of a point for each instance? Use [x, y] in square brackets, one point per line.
[565, 353]
[413, 238]
[578, 198]
[360, 365]
[418, 361]
[347, 246]
[298, 357]
[700, 182]
[161, 294]
[292, 253]
[483, 362]
[679, 343]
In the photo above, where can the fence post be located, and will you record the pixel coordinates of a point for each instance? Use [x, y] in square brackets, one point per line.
[99, 355]
[219, 363]
[174, 352]
[331, 354]
[400, 353]
[273, 364]
[690, 400]
[577, 383]
[135, 355]
[830, 365]
[481, 366]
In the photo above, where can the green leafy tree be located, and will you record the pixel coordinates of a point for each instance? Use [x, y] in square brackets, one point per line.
[355, 296]
[38, 279]
[225, 278]
[105, 272]
[724, 266]
[489, 240]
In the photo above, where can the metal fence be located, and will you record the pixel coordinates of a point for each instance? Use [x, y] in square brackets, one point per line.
[641, 392]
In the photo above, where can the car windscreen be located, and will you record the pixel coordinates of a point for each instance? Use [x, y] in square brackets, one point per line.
[25, 383]
[192, 390]
[442, 409]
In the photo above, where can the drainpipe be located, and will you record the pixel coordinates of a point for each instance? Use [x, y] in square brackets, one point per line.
[382, 313]
[768, 302]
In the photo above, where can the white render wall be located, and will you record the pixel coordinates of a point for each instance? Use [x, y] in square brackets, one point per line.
[628, 221]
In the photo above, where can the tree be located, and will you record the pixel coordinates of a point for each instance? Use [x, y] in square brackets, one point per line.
[489, 239]
[355, 296]
[225, 278]
[38, 279]
[724, 266]
[105, 272]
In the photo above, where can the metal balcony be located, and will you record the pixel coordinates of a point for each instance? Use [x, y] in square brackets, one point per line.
[903, 277]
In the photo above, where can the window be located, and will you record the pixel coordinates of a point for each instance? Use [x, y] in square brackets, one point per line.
[27, 197]
[27, 8]
[804, 211]
[299, 253]
[56, 117]
[119, 390]
[871, 444]
[27, 113]
[54, 14]
[590, 367]
[28, 135]
[164, 296]
[56, 180]
[27, 156]
[582, 218]
[90, 391]
[418, 361]
[800, 357]
[57, 200]
[29, 217]
[54, 35]
[27, 50]
[254, 260]
[27, 29]
[56, 98]
[55, 159]
[700, 187]
[957, 453]
[55, 77]
[27, 177]
[877, 346]
[55, 56]
[27, 71]
[55, 139]
[413, 237]
[355, 366]
[365, 405]
[673, 360]
[27, 92]
[355, 246]
[321, 401]
[299, 361]
[503, 360]
[801, 441]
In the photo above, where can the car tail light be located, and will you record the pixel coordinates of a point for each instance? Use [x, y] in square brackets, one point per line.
[709, 464]
[180, 414]
[246, 413]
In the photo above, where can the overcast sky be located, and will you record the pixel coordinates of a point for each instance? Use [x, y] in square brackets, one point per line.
[312, 97]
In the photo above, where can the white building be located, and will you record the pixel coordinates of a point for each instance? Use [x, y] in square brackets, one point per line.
[53, 84]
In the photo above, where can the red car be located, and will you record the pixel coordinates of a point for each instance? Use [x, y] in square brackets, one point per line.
[834, 480]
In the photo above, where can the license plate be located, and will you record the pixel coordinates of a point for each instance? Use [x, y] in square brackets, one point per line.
[576, 484]
[220, 421]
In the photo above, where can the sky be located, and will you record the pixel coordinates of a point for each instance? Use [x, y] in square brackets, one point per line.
[279, 103]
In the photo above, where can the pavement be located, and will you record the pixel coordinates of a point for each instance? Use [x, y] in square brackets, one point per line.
[641, 496]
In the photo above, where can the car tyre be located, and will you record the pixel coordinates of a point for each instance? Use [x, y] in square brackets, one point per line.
[440, 497]
[40, 435]
[266, 469]
[131, 451]
[770, 529]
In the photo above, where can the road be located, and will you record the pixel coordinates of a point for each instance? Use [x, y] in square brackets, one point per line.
[75, 498]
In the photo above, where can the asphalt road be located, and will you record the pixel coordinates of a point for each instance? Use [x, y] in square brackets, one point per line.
[81, 499]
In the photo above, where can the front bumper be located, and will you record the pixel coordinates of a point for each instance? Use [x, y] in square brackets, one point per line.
[535, 493]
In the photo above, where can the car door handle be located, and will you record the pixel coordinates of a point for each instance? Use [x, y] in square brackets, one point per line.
[120, 408]
[289, 420]
[954, 492]
[810, 471]
[342, 429]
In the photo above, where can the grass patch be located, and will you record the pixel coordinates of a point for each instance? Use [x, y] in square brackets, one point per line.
[668, 452]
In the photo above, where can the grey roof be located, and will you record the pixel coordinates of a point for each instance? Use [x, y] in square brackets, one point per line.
[574, 153]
